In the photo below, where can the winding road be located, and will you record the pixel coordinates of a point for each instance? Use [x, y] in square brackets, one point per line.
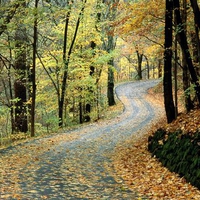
[77, 164]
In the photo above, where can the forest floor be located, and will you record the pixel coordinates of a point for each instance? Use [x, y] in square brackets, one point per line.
[77, 164]
[144, 173]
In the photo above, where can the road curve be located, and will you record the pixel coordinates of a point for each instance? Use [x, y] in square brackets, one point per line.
[77, 164]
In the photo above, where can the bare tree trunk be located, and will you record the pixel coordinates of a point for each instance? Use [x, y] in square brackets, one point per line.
[80, 112]
[110, 90]
[33, 93]
[159, 68]
[140, 57]
[12, 111]
[148, 67]
[175, 78]
[167, 83]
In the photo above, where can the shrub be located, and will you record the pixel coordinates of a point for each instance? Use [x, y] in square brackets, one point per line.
[178, 152]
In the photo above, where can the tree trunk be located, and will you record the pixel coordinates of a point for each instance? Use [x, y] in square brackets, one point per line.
[140, 57]
[159, 68]
[175, 77]
[185, 49]
[109, 44]
[110, 90]
[196, 12]
[110, 84]
[33, 94]
[148, 67]
[80, 112]
[12, 110]
[167, 83]
[196, 50]
[186, 79]
[186, 84]
[21, 121]
[195, 35]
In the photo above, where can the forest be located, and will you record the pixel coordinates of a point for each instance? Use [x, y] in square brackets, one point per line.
[60, 60]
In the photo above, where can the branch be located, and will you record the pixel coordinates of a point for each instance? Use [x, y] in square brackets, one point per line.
[76, 31]
[53, 82]
[153, 41]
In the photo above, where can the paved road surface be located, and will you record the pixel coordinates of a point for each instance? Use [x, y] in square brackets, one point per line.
[77, 164]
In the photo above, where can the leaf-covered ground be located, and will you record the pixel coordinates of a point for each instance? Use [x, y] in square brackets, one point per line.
[77, 164]
[145, 174]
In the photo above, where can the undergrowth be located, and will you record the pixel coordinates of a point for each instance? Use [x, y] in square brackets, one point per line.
[179, 152]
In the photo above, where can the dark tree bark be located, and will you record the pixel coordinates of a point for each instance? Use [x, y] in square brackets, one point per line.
[140, 57]
[80, 113]
[196, 50]
[33, 81]
[21, 120]
[167, 82]
[21, 123]
[110, 84]
[159, 68]
[195, 35]
[186, 77]
[110, 90]
[175, 76]
[185, 49]
[186, 84]
[196, 11]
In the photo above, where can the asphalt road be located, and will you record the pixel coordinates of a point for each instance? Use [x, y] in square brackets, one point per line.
[77, 164]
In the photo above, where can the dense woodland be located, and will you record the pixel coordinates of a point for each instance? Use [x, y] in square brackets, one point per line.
[61, 59]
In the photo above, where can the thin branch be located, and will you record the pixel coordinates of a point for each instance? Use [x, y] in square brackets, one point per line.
[155, 42]
[53, 82]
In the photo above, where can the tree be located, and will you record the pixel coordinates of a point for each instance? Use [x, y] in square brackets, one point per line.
[195, 35]
[59, 73]
[109, 42]
[10, 11]
[167, 81]
[141, 24]
[139, 68]
[185, 74]
[33, 70]
[185, 49]
[21, 119]
[66, 58]
[148, 67]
